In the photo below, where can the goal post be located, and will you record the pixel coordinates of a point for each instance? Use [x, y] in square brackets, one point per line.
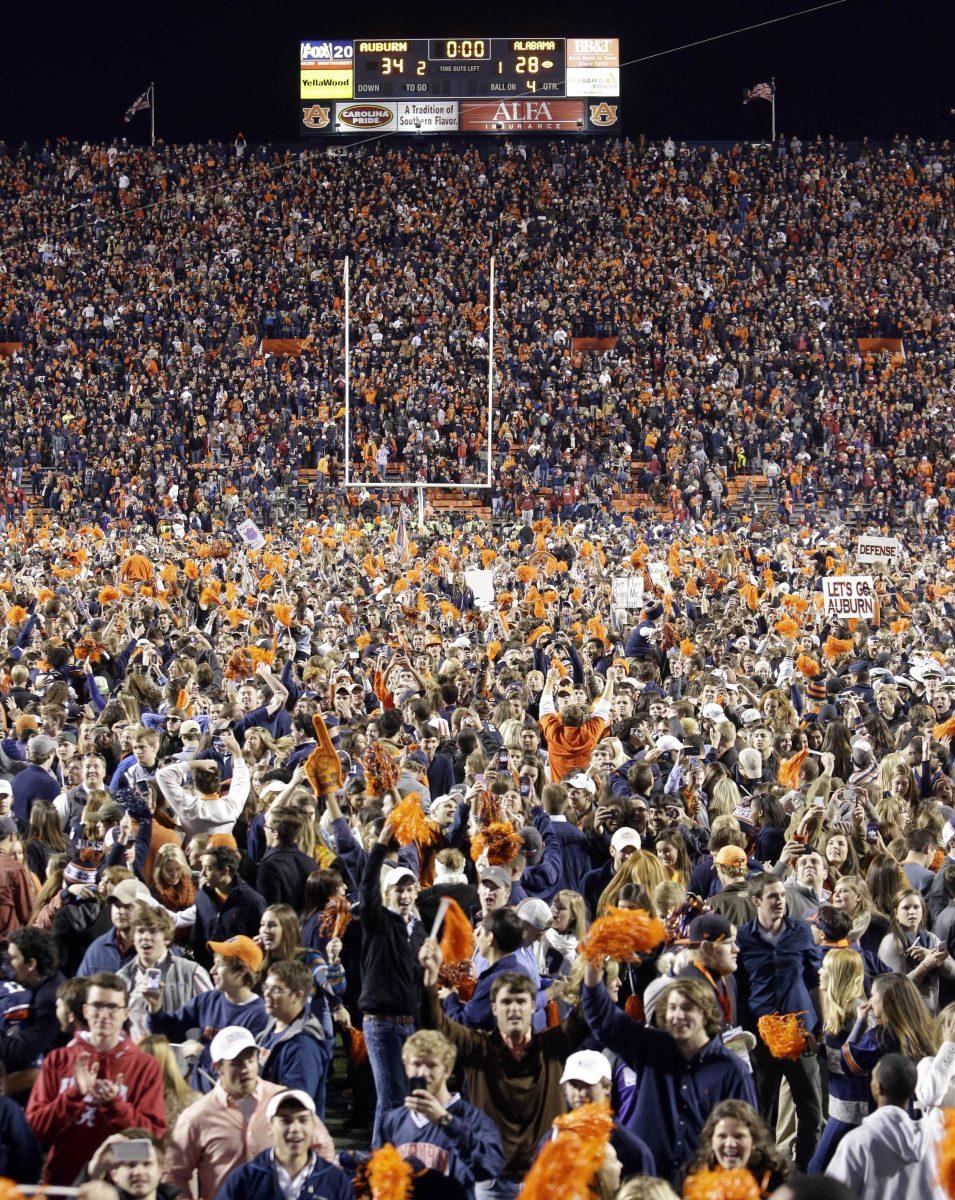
[419, 484]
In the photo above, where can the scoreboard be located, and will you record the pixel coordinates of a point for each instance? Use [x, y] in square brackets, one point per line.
[459, 85]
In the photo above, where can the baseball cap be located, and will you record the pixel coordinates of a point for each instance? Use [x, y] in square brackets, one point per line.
[536, 913]
[230, 1042]
[713, 712]
[131, 891]
[189, 727]
[589, 1066]
[709, 927]
[625, 837]
[240, 947]
[751, 762]
[668, 742]
[111, 811]
[730, 856]
[8, 827]
[222, 839]
[751, 716]
[5, 788]
[395, 876]
[292, 1096]
[496, 875]
[40, 746]
[582, 781]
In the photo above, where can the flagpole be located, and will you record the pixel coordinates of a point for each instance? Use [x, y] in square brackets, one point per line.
[152, 113]
[772, 112]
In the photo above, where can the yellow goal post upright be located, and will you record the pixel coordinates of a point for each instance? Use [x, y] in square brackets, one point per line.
[420, 486]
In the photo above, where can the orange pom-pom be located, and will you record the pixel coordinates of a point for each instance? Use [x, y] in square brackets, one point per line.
[209, 596]
[786, 627]
[567, 1164]
[750, 594]
[389, 1175]
[808, 666]
[499, 840]
[240, 665]
[945, 1151]
[900, 625]
[381, 770]
[259, 654]
[686, 647]
[357, 1049]
[457, 936]
[283, 614]
[363, 641]
[336, 917]
[235, 616]
[107, 595]
[783, 1034]
[836, 647]
[88, 648]
[789, 768]
[621, 934]
[410, 825]
[945, 730]
[16, 614]
[525, 573]
[457, 976]
[738, 1184]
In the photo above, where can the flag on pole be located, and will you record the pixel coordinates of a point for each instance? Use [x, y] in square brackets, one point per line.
[762, 91]
[140, 105]
[401, 538]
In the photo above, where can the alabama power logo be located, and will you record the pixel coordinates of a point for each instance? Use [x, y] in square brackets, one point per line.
[603, 114]
[316, 116]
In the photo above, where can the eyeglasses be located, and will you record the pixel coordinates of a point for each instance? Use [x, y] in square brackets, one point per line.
[275, 991]
[99, 1006]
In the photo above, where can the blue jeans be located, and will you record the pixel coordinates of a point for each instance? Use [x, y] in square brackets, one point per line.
[497, 1189]
[384, 1037]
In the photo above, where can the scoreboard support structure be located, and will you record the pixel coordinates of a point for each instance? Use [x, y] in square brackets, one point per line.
[419, 486]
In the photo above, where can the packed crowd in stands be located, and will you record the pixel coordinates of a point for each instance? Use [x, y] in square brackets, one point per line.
[141, 283]
[396, 861]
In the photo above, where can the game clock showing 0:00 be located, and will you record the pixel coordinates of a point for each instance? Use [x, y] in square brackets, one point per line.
[449, 68]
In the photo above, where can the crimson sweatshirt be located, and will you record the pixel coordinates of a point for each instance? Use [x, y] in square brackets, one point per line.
[71, 1126]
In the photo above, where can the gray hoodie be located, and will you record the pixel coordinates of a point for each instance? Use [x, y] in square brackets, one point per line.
[889, 1157]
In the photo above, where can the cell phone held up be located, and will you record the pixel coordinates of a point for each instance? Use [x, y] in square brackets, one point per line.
[417, 1083]
[133, 1151]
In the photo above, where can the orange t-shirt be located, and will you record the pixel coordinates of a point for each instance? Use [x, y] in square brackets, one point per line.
[570, 747]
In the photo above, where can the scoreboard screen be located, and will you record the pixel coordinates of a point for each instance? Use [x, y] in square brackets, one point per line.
[459, 85]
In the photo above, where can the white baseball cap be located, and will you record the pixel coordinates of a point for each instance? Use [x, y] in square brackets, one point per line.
[230, 1042]
[589, 1066]
[751, 716]
[293, 1095]
[669, 742]
[625, 837]
[397, 874]
[713, 712]
[582, 781]
[536, 913]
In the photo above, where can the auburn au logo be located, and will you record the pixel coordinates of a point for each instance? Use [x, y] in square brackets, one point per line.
[603, 114]
[316, 116]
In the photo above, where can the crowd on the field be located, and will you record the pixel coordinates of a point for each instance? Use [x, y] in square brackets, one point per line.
[701, 854]
[142, 285]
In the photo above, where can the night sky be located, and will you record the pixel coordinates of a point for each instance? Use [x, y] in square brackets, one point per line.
[869, 67]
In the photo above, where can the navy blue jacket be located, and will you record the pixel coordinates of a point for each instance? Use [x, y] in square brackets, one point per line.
[574, 853]
[32, 783]
[25, 1043]
[777, 979]
[593, 886]
[20, 1155]
[208, 1012]
[476, 1014]
[440, 776]
[674, 1095]
[543, 879]
[455, 1156]
[281, 876]
[241, 912]
[297, 1057]
[257, 1180]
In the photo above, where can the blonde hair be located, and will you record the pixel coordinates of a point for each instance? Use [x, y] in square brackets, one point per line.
[725, 798]
[169, 852]
[157, 1047]
[642, 868]
[844, 989]
[667, 896]
[432, 1043]
[646, 1187]
[568, 988]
